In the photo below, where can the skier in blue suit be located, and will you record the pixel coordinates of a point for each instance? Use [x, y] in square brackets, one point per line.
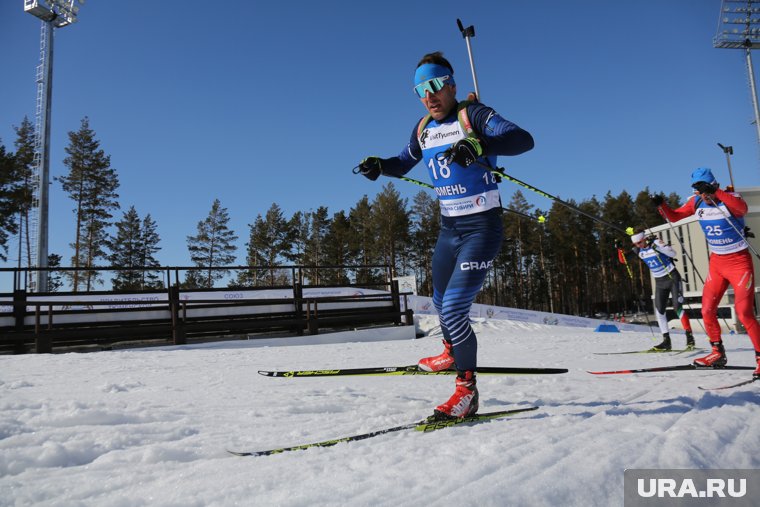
[450, 139]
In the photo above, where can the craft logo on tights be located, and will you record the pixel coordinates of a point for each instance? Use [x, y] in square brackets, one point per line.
[474, 265]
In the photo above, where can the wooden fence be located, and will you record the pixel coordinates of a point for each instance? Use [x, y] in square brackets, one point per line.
[44, 322]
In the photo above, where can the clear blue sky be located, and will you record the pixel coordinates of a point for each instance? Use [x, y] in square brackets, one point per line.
[258, 102]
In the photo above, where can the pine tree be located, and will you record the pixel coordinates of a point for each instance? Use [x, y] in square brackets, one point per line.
[194, 279]
[9, 183]
[362, 246]
[673, 200]
[255, 257]
[588, 259]
[543, 297]
[645, 212]
[314, 254]
[426, 224]
[149, 240]
[615, 284]
[27, 186]
[391, 219]
[125, 251]
[54, 277]
[212, 247]
[133, 246]
[563, 233]
[266, 245]
[514, 262]
[336, 251]
[91, 183]
[297, 237]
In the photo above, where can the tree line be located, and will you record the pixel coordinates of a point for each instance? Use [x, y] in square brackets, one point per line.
[551, 260]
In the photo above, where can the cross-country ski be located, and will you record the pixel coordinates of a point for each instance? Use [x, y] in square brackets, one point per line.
[650, 351]
[730, 386]
[679, 367]
[425, 426]
[409, 370]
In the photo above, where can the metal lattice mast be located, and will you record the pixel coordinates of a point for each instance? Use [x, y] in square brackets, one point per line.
[54, 14]
[38, 227]
[739, 28]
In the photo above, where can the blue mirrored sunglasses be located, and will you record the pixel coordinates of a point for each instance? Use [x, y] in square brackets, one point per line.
[431, 85]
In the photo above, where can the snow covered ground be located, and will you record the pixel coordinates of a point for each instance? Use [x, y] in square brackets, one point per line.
[150, 427]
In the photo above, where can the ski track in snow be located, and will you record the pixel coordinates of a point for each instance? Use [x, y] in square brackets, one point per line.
[150, 426]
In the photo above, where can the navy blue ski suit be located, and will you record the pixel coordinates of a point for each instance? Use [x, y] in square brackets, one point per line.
[471, 225]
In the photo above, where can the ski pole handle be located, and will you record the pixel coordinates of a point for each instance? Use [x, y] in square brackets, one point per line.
[467, 33]
[728, 150]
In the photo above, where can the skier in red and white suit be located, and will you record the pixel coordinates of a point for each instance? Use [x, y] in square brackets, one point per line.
[720, 215]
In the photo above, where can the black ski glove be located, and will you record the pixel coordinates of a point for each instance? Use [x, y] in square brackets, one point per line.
[705, 188]
[464, 152]
[657, 199]
[371, 168]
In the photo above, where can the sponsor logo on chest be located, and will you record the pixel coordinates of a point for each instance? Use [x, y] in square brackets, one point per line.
[711, 213]
[441, 135]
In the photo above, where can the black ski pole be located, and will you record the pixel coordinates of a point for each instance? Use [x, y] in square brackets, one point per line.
[428, 185]
[509, 210]
[500, 171]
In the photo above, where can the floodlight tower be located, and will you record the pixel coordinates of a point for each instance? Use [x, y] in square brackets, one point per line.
[739, 28]
[54, 14]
